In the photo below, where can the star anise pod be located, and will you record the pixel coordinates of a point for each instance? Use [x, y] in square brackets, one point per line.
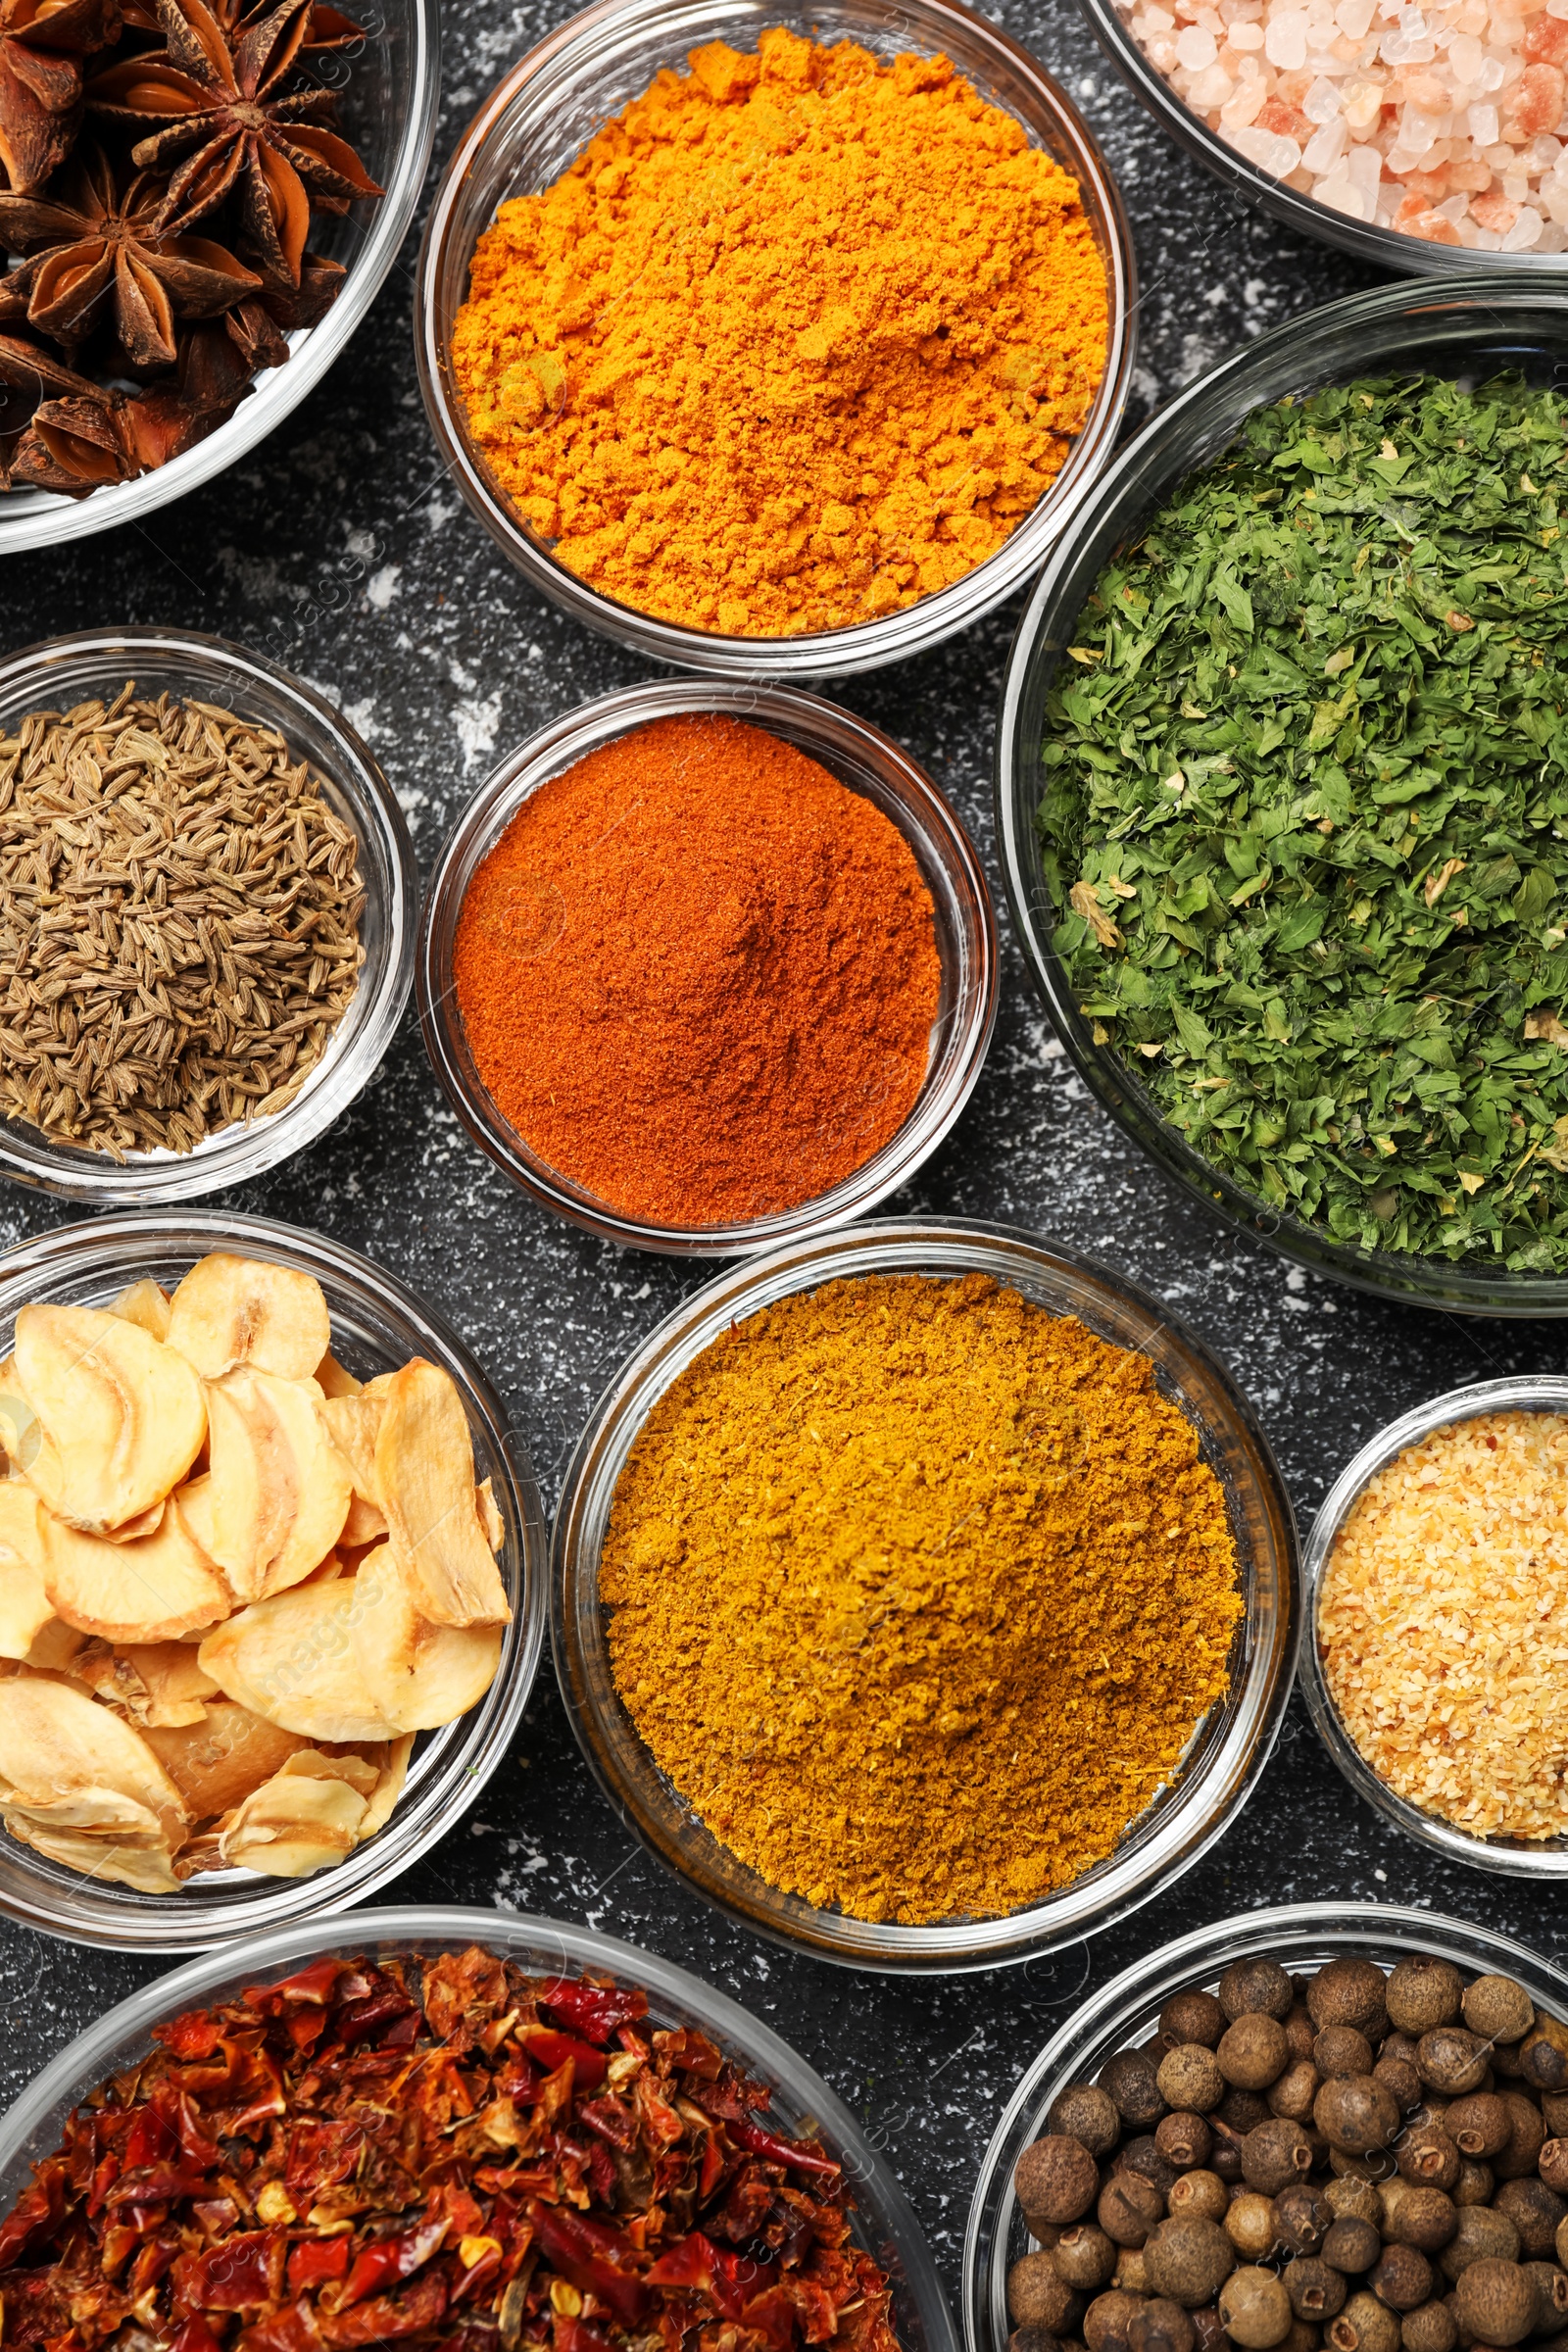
[81, 435]
[94, 248]
[213, 96]
[42, 43]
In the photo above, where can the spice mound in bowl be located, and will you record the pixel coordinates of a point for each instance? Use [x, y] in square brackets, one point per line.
[1364, 2159]
[444, 2152]
[1305, 817]
[1442, 1624]
[918, 1594]
[698, 975]
[234, 1582]
[179, 911]
[841, 393]
[1443, 123]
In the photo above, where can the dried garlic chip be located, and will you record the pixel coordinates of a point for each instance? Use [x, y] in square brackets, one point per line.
[151, 1590]
[280, 1489]
[304, 1818]
[24, 1605]
[56, 1647]
[354, 1424]
[333, 1379]
[490, 1519]
[293, 1660]
[424, 1478]
[71, 1764]
[145, 1523]
[119, 1418]
[364, 1524]
[177, 1688]
[145, 1302]
[149, 1869]
[104, 1672]
[232, 1311]
[388, 1787]
[421, 1675]
[216, 1763]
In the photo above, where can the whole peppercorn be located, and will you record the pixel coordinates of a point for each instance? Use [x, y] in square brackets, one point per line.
[1056, 2179]
[1254, 2310]
[1364, 2326]
[1255, 1985]
[1132, 2271]
[1495, 2302]
[1552, 2164]
[1479, 2125]
[1184, 2140]
[1130, 2079]
[1451, 2060]
[1129, 2208]
[1301, 2216]
[1355, 2113]
[1107, 2320]
[1543, 2055]
[1038, 2297]
[1190, 2077]
[1299, 2030]
[1527, 2137]
[1200, 2193]
[1550, 2284]
[1401, 2078]
[1274, 2155]
[1295, 2091]
[1252, 2052]
[1193, 2016]
[1161, 2326]
[1249, 2224]
[1351, 2247]
[1033, 2340]
[1087, 2113]
[1432, 2329]
[1317, 2290]
[1342, 2050]
[1141, 2155]
[1421, 1992]
[1554, 2109]
[1401, 2277]
[1476, 2185]
[1189, 2258]
[1348, 1992]
[1225, 2155]
[1535, 2211]
[1085, 2257]
[1351, 2199]
[1425, 2218]
[1242, 2110]
[1428, 2157]
[1499, 2009]
[1483, 2235]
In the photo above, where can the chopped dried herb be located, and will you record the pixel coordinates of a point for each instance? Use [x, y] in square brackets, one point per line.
[1306, 815]
[366, 2153]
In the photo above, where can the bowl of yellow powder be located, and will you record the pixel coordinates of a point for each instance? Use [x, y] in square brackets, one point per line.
[776, 343]
[1437, 1594]
[924, 1595]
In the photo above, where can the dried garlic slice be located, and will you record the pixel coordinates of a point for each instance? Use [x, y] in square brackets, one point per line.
[424, 1478]
[119, 1418]
[177, 1690]
[354, 1424]
[307, 1816]
[145, 1302]
[216, 1764]
[293, 1659]
[68, 1763]
[233, 1310]
[421, 1675]
[151, 1590]
[388, 1787]
[279, 1488]
[149, 1868]
[25, 1606]
[334, 1379]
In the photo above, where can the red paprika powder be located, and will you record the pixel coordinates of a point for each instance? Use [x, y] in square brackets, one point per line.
[698, 974]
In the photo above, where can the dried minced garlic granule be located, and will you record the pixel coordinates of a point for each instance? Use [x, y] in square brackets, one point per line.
[1442, 1624]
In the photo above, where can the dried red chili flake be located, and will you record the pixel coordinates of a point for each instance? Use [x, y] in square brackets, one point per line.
[444, 2155]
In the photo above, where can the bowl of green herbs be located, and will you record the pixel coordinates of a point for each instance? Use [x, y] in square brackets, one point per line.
[1283, 792]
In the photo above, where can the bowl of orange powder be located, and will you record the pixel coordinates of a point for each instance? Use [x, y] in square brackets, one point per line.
[705, 967]
[776, 342]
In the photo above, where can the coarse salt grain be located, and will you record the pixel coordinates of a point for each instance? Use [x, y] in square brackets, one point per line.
[1442, 1624]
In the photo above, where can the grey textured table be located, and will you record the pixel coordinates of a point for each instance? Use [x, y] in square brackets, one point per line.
[339, 547]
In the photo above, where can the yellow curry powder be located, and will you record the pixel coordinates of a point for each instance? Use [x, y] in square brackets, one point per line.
[798, 339]
[919, 1592]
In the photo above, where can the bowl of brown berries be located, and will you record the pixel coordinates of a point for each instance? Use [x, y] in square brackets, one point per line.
[1327, 2127]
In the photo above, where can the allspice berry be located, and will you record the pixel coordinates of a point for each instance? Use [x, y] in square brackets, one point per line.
[1255, 1985]
[1275, 2154]
[1555, 2110]
[1299, 2030]
[1427, 2156]
[1201, 2192]
[1249, 2224]
[1475, 2184]
[1302, 2215]
[1451, 2060]
[1254, 2310]
[1294, 2090]
[1432, 2329]
[1364, 2326]
[1353, 2199]
[1161, 2326]
[1550, 2284]
[1355, 2113]
[1130, 2079]
[1225, 2154]
[1107, 2318]
[1401, 2277]
[1038, 2297]
[1085, 2257]
[1211, 2337]
[1087, 2113]
[1543, 2055]
[1317, 2290]
[1421, 1992]
[1527, 2137]
[1184, 2139]
[1424, 2217]
[1242, 2110]
[1194, 2016]
[1132, 2271]
[1342, 2050]
[1495, 2302]
[1402, 2079]
[1129, 2208]
[1535, 2211]
[1482, 2235]
[1190, 2077]
[1189, 2258]
[1552, 2164]
[1562, 2245]
[1141, 2155]
[1033, 2340]
[1499, 2009]
[1056, 2179]
[1252, 2052]
[1352, 2246]
[1347, 1992]
[1478, 2124]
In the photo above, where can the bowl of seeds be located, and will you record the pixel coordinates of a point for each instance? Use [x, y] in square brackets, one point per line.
[1335, 2126]
[206, 915]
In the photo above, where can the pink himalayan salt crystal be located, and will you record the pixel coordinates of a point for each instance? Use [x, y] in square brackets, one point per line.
[1445, 120]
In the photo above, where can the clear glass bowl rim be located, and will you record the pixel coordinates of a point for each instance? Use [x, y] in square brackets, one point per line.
[119, 1919]
[926, 814]
[1180, 436]
[241, 1152]
[865, 645]
[1387, 248]
[281, 391]
[31, 2124]
[1295, 1933]
[1192, 1825]
[1537, 1392]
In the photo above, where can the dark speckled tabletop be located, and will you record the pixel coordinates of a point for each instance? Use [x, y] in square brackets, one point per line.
[340, 547]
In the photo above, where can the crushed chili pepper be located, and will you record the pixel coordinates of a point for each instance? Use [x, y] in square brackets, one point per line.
[448, 2154]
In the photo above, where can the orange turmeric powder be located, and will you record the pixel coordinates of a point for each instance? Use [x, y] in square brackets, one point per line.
[918, 1594]
[798, 339]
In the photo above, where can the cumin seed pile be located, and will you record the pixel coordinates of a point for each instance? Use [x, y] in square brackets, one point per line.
[179, 915]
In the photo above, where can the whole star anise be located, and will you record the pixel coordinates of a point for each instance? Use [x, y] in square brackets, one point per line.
[79, 435]
[95, 248]
[213, 96]
[42, 43]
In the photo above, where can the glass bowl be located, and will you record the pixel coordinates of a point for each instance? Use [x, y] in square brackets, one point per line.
[95, 663]
[537, 120]
[1462, 329]
[871, 764]
[1541, 1859]
[1231, 1745]
[882, 2222]
[1301, 1935]
[1387, 248]
[376, 1326]
[389, 89]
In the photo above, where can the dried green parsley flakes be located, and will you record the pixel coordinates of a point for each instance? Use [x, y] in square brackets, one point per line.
[1306, 819]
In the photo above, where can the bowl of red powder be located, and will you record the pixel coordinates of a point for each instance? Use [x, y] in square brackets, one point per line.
[705, 967]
